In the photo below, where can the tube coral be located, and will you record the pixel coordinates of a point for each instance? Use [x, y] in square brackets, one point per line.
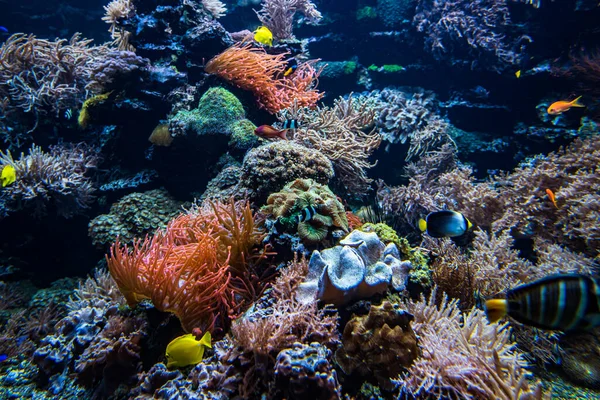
[261, 73]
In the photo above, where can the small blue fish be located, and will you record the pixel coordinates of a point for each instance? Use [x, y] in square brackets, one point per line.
[3, 357]
[69, 114]
[3, 29]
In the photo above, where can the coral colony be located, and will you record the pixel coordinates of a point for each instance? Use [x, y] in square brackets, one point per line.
[294, 199]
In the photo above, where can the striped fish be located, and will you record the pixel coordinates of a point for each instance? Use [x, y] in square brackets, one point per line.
[558, 302]
[307, 214]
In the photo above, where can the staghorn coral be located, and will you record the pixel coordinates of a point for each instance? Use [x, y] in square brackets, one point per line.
[338, 132]
[198, 267]
[464, 357]
[359, 268]
[287, 204]
[278, 15]
[134, 216]
[255, 70]
[266, 169]
[381, 343]
[304, 372]
[58, 178]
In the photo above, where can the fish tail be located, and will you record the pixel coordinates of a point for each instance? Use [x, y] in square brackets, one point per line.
[576, 103]
[283, 134]
[422, 225]
[206, 340]
[495, 309]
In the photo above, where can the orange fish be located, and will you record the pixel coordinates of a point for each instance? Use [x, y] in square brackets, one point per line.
[559, 107]
[268, 132]
[550, 194]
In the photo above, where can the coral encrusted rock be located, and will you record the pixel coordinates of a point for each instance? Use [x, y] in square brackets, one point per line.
[304, 372]
[359, 268]
[381, 344]
[266, 169]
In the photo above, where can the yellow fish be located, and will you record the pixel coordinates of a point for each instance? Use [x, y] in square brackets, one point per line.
[8, 175]
[263, 35]
[187, 350]
[559, 107]
[518, 74]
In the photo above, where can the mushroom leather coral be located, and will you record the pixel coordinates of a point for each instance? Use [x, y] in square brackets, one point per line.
[381, 343]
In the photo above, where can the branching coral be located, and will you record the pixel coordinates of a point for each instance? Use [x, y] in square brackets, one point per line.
[115, 12]
[278, 15]
[261, 73]
[197, 268]
[265, 332]
[215, 7]
[464, 356]
[477, 27]
[339, 133]
[58, 177]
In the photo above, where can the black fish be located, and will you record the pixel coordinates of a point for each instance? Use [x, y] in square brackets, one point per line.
[291, 67]
[559, 302]
[445, 223]
[306, 214]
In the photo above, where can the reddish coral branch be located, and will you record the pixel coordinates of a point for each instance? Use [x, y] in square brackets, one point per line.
[253, 69]
[198, 268]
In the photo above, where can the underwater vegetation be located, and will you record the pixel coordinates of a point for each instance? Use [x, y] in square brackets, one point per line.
[295, 199]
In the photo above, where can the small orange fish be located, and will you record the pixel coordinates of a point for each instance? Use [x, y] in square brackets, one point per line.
[550, 194]
[268, 132]
[559, 107]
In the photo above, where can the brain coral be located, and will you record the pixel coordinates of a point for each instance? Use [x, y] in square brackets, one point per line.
[135, 215]
[300, 194]
[360, 267]
[268, 168]
[381, 343]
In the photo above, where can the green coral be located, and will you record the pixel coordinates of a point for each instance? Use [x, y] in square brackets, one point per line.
[420, 272]
[134, 216]
[366, 13]
[287, 204]
[387, 68]
[218, 112]
[337, 69]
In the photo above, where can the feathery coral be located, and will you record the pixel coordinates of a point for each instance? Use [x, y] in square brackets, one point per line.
[261, 73]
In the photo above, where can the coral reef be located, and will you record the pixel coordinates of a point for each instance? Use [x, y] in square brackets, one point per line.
[299, 195]
[278, 15]
[133, 217]
[255, 70]
[304, 372]
[197, 267]
[360, 267]
[58, 178]
[268, 168]
[381, 344]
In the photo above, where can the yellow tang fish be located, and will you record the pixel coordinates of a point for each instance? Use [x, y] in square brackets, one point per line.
[8, 175]
[187, 350]
[263, 35]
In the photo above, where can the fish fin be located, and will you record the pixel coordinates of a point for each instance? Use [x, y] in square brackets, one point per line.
[422, 225]
[495, 309]
[206, 340]
[469, 224]
[283, 134]
[576, 103]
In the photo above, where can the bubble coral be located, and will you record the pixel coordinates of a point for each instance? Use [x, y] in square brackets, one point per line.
[381, 343]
